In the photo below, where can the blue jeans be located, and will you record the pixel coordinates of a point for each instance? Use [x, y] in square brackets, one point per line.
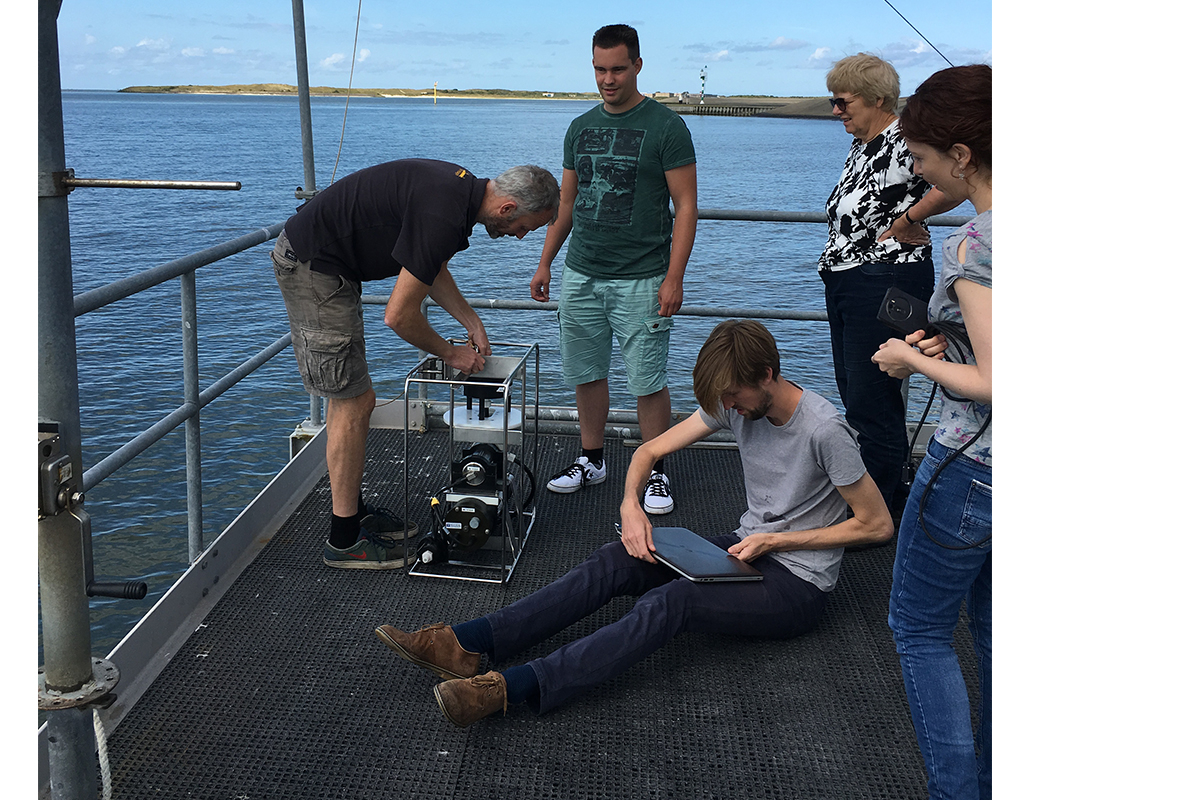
[874, 403]
[779, 606]
[929, 584]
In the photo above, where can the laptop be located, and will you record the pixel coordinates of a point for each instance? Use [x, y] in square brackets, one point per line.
[698, 559]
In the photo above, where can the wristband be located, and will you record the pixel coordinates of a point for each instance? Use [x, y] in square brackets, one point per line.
[910, 219]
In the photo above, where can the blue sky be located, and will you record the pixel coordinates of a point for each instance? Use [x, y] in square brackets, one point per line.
[776, 47]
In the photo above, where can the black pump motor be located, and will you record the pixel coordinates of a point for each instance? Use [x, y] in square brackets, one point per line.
[480, 469]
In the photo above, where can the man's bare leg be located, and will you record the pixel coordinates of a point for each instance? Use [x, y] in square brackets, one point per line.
[346, 425]
[591, 400]
[654, 413]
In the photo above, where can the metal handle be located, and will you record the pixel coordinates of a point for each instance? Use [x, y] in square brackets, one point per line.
[124, 590]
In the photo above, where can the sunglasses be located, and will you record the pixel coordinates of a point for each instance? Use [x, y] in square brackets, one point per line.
[839, 103]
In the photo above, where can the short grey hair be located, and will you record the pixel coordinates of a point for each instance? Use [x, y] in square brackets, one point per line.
[869, 77]
[534, 189]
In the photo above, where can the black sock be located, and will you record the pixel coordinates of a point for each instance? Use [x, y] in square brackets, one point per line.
[343, 531]
[595, 456]
[658, 465]
[474, 636]
[520, 684]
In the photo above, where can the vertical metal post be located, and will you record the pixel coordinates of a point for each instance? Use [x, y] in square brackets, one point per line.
[314, 409]
[306, 142]
[191, 395]
[71, 746]
[66, 635]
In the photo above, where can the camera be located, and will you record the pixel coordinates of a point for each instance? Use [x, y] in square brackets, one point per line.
[904, 313]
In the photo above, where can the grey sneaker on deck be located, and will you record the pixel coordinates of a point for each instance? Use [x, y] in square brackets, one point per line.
[578, 475]
[371, 551]
[657, 499]
[385, 522]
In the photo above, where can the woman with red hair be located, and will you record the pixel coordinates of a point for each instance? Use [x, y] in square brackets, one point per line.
[944, 547]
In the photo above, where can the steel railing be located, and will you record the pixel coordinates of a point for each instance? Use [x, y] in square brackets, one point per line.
[188, 413]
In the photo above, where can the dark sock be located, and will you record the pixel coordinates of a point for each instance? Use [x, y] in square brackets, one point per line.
[520, 683]
[658, 465]
[343, 531]
[362, 507]
[595, 456]
[475, 636]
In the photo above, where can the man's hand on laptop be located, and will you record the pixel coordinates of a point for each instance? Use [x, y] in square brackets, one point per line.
[635, 531]
[753, 546]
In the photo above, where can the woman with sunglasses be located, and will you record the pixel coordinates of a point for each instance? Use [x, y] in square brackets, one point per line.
[943, 549]
[877, 240]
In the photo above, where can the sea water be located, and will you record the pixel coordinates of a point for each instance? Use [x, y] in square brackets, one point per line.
[130, 353]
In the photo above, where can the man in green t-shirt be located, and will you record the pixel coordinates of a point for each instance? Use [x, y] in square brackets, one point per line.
[624, 163]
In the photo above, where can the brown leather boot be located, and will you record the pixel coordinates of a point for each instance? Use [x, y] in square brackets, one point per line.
[466, 701]
[434, 647]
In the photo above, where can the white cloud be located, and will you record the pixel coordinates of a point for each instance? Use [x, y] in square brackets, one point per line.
[333, 60]
[89, 39]
[222, 51]
[723, 55]
[916, 53]
[363, 55]
[118, 51]
[154, 44]
[783, 43]
[192, 52]
[819, 55]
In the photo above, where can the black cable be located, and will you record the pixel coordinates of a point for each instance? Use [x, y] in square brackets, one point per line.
[932, 480]
[532, 486]
[914, 27]
[956, 335]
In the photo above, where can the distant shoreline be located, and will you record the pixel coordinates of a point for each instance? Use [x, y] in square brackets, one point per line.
[763, 105]
[285, 90]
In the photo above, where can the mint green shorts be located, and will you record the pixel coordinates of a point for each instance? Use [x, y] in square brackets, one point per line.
[591, 311]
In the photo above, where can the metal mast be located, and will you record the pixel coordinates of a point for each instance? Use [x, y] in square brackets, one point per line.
[66, 682]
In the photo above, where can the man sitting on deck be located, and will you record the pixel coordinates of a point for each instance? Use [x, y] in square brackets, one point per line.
[404, 220]
[802, 467]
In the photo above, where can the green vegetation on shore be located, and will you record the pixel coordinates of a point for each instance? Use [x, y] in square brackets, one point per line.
[285, 89]
[765, 105]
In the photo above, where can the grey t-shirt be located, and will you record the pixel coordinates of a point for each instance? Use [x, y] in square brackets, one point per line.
[792, 472]
[962, 419]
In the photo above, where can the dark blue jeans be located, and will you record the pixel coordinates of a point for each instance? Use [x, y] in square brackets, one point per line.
[930, 582]
[873, 401]
[780, 606]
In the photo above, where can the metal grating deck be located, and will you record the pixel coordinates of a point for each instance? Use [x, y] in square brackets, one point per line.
[285, 692]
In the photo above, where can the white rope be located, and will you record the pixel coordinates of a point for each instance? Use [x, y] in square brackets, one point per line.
[102, 754]
[353, 58]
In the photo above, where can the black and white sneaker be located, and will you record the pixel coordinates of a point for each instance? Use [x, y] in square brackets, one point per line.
[578, 475]
[657, 499]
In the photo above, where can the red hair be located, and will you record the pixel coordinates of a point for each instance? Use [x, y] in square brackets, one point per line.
[953, 106]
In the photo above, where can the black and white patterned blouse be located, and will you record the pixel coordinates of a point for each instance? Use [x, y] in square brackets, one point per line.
[877, 185]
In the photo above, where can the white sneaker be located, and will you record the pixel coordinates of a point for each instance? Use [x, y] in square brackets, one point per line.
[578, 475]
[657, 499]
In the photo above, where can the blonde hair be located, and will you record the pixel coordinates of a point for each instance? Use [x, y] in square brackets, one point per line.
[737, 353]
[869, 77]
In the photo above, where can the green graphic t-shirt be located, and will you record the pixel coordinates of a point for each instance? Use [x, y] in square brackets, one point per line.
[621, 223]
